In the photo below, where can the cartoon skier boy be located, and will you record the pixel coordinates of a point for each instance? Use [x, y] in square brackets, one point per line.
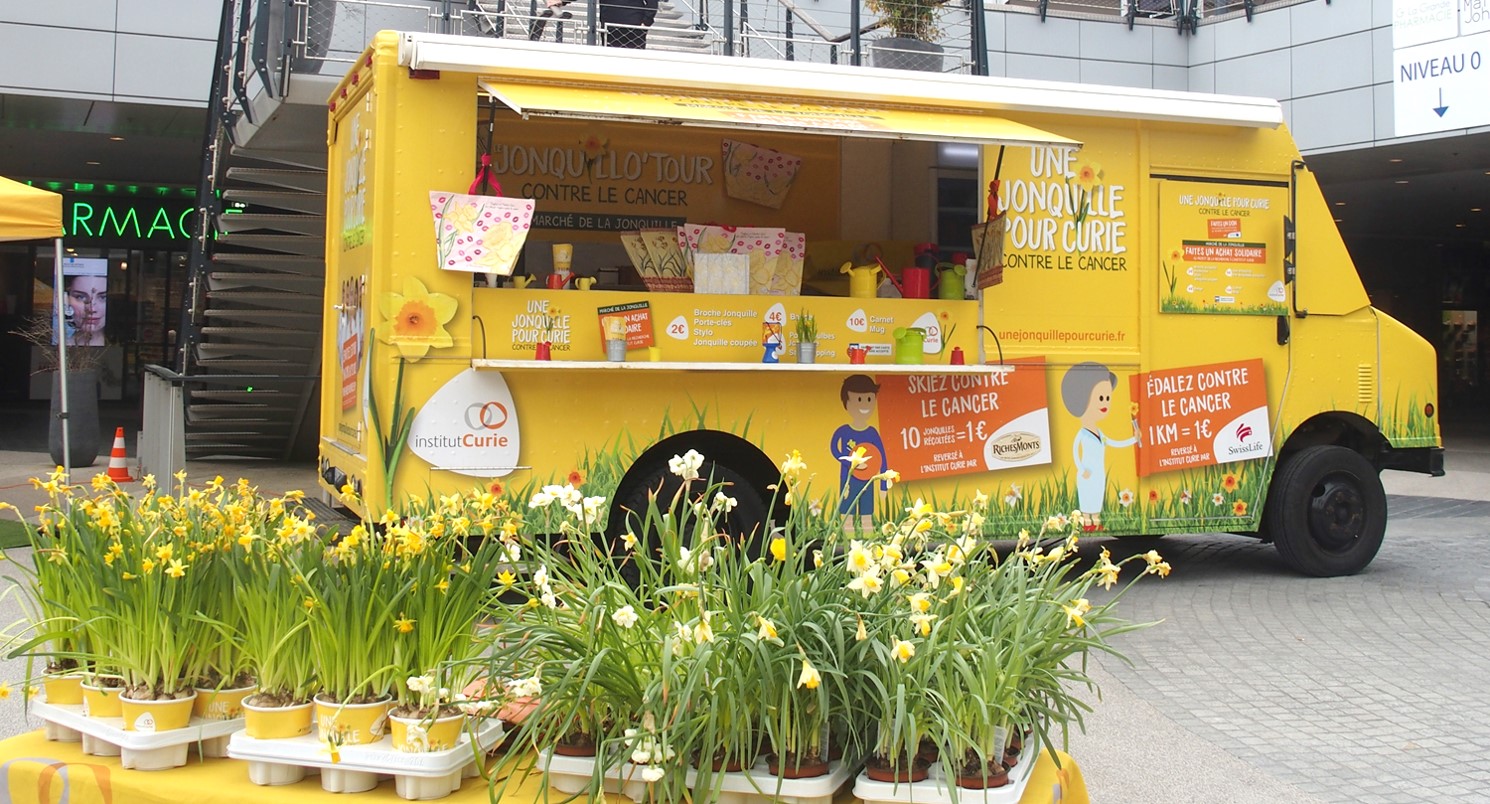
[858, 447]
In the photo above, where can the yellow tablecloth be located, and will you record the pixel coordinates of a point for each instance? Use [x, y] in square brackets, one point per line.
[40, 772]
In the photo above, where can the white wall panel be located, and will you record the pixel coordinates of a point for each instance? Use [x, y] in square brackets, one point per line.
[1175, 78]
[1202, 78]
[1054, 37]
[1381, 12]
[1384, 122]
[1107, 42]
[191, 19]
[1118, 74]
[1175, 50]
[168, 69]
[1266, 74]
[1315, 21]
[1237, 37]
[34, 57]
[1381, 56]
[1336, 119]
[93, 15]
[1049, 68]
[1331, 65]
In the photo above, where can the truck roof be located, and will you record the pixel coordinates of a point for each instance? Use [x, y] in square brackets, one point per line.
[592, 68]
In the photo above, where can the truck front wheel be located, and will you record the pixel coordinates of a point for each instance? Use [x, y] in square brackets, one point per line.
[1326, 511]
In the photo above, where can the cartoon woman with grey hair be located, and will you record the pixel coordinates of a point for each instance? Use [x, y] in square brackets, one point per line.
[1086, 391]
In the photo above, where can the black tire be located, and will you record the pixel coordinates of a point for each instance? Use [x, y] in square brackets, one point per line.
[747, 521]
[1326, 511]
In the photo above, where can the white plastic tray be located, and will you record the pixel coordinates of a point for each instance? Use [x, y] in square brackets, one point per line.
[934, 789]
[417, 777]
[138, 750]
[758, 785]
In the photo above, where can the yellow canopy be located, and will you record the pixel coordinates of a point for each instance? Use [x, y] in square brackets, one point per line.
[766, 113]
[27, 213]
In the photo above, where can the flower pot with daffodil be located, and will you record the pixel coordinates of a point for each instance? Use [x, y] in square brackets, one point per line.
[154, 584]
[1021, 627]
[427, 718]
[73, 540]
[621, 643]
[805, 329]
[354, 595]
[271, 553]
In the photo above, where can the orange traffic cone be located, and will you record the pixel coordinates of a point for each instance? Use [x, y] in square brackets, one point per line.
[118, 471]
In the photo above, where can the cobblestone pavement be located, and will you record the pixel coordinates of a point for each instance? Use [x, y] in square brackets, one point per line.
[1361, 689]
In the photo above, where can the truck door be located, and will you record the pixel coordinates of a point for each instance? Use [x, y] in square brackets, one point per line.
[1216, 371]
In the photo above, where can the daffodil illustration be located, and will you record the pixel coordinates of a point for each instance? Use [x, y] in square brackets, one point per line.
[1088, 178]
[594, 146]
[417, 319]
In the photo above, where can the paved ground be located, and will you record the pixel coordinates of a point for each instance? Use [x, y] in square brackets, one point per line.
[1259, 686]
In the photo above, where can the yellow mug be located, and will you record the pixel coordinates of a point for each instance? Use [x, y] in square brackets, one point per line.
[584, 282]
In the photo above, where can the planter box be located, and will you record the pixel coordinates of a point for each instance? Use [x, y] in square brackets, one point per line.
[416, 777]
[756, 786]
[934, 789]
[137, 750]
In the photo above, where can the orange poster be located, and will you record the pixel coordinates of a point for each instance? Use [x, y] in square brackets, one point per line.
[935, 425]
[634, 319]
[1201, 416]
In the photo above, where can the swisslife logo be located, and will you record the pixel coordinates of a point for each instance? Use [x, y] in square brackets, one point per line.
[1246, 437]
[469, 426]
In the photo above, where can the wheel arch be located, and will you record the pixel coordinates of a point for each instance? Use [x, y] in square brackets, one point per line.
[742, 456]
[1339, 428]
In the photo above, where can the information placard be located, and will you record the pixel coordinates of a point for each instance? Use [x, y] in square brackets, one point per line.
[635, 317]
[1201, 416]
[950, 424]
[1221, 248]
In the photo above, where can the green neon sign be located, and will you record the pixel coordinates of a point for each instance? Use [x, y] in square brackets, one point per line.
[157, 222]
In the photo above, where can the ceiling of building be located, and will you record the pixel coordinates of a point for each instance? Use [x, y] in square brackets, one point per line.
[1433, 190]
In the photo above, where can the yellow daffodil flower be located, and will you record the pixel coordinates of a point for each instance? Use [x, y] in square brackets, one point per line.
[1075, 612]
[858, 459]
[778, 549]
[767, 629]
[404, 624]
[903, 650]
[920, 602]
[176, 569]
[810, 677]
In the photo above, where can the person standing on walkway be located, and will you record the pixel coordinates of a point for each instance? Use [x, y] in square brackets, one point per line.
[625, 22]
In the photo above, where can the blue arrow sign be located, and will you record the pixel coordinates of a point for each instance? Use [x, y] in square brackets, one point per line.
[1440, 108]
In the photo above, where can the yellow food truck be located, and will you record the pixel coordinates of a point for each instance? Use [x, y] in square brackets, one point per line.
[564, 264]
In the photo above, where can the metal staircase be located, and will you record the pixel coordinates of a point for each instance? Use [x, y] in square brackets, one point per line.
[254, 340]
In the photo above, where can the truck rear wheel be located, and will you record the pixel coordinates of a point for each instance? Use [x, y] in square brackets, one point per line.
[744, 522]
[1326, 511]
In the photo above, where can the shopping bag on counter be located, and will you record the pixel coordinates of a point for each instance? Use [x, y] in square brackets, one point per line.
[763, 247]
[658, 260]
[721, 273]
[480, 233]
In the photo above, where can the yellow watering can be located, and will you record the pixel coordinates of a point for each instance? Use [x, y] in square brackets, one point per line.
[863, 281]
[522, 281]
